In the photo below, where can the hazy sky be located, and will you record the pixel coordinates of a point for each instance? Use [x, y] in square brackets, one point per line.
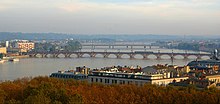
[180, 17]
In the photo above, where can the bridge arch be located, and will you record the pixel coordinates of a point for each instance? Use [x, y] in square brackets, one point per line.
[165, 56]
[205, 56]
[60, 55]
[49, 55]
[138, 56]
[112, 56]
[99, 55]
[152, 56]
[86, 55]
[73, 55]
[192, 57]
[179, 57]
[39, 55]
[125, 56]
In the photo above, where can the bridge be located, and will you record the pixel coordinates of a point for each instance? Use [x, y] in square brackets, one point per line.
[145, 55]
[117, 46]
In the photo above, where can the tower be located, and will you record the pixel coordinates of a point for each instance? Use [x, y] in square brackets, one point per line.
[215, 55]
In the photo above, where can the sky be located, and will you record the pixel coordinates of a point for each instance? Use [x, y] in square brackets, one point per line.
[168, 17]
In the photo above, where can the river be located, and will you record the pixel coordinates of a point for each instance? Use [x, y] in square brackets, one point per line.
[31, 67]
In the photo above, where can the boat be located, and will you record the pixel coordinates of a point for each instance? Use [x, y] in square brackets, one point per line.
[14, 59]
[2, 61]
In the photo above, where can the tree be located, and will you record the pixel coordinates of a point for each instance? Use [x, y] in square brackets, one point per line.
[37, 99]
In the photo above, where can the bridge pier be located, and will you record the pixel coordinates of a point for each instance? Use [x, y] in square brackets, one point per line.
[199, 57]
[158, 57]
[106, 55]
[172, 57]
[53, 56]
[185, 57]
[92, 55]
[32, 55]
[79, 55]
[67, 56]
[119, 56]
[44, 56]
[145, 57]
[131, 56]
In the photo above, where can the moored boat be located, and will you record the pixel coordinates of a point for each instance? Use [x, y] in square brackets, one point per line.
[14, 59]
[2, 61]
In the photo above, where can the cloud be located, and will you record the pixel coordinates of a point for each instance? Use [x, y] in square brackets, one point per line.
[112, 16]
[166, 8]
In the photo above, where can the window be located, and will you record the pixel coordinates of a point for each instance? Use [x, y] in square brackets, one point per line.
[91, 79]
[100, 80]
[123, 82]
[129, 82]
[136, 82]
[113, 81]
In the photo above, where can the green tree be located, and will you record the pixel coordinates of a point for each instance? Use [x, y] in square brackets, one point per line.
[72, 46]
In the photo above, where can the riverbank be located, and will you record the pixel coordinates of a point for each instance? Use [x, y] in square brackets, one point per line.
[19, 56]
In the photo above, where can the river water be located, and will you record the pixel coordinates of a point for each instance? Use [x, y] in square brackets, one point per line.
[31, 67]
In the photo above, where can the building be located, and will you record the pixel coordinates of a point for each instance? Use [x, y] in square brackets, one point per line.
[7, 44]
[115, 76]
[210, 63]
[68, 75]
[82, 70]
[198, 83]
[25, 46]
[214, 77]
[3, 50]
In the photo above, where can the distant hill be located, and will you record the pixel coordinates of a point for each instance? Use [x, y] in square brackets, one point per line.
[58, 36]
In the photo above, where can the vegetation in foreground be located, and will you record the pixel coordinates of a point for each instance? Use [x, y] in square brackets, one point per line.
[44, 90]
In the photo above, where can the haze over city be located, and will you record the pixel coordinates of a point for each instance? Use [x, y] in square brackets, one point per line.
[169, 17]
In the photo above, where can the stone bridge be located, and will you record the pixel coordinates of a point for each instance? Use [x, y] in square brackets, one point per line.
[119, 55]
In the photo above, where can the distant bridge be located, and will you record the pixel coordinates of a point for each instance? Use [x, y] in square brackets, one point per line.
[115, 46]
[145, 55]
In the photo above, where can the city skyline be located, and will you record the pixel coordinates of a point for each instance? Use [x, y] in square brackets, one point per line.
[169, 17]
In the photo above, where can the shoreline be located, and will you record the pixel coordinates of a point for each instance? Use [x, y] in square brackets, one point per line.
[19, 56]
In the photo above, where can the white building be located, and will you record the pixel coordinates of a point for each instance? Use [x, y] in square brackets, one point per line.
[7, 44]
[108, 77]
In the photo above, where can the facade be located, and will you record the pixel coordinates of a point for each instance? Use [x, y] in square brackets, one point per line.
[139, 78]
[3, 50]
[215, 78]
[68, 75]
[213, 62]
[25, 46]
[82, 70]
[199, 83]
[81, 73]
[203, 64]
[7, 44]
